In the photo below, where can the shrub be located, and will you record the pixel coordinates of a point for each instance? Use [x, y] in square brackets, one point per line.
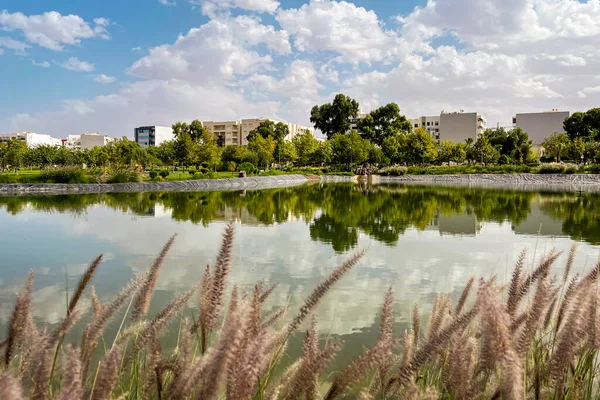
[124, 176]
[593, 169]
[272, 172]
[395, 170]
[552, 168]
[164, 174]
[571, 169]
[153, 174]
[63, 175]
[248, 167]
[9, 178]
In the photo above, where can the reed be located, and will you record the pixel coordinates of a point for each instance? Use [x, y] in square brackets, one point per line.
[543, 347]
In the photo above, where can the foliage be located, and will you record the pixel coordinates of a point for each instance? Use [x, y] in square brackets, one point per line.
[284, 152]
[552, 168]
[270, 129]
[249, 168]
[420, 147]
[264, 149]
[349, 149]
[153, 174]
[305, 145]
[64, 175]
[484, 152]
[383, 122]
[451, 152]
[163, 173]
[585, 125]
[556, 145]
[394, 170]
[332, 118]
[123, 175]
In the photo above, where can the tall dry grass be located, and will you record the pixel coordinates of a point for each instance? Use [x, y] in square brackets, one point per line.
[537, 338]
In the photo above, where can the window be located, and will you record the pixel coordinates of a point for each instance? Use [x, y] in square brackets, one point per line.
[428, 123]
[437, 129]
[416, 125]
[514, 120]
[437, 123]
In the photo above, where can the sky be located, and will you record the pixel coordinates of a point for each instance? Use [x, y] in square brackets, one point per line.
[81, 66]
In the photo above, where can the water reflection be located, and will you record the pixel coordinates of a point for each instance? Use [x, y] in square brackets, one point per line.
[420, 240]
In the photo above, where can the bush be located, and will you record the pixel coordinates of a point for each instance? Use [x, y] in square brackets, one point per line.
[63, 175]
[248, 167]
[9, 178]
[153, 174]
[272, 172]
[571, 169]
[395, 170]
[164, 174]
[593, 169]
[208, 175]
[123, 176]
[552, 168]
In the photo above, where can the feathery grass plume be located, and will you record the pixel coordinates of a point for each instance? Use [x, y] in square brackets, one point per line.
[550, 312]
[18, 319]
[358, 369]
[566, 300]
[409, 348]
[363, 395]
[319, 292]
[44, 360]
[495, 332]
[96, 306]
[249, 374]
[142, 302]
[464, 295]
[265, 294]
[593, 323]
[515, 285]
[569, 263]
[93, 330]
[71, 381]
[221, 271]
[416, 325]
[534, 316]
[272, 318]
[285, 380]
[306, 376]
[107, 375]
[543, 269]
[204, 297]
[429, 347]
[10, 387]
[440, 309]
[386, 318]
[461, 366]
[569, 338]
[83, 282]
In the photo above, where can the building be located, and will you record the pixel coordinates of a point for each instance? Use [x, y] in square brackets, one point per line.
[458, 126]
[354, 121]
[430, 124]
[32, 139]
[151, 136]
[541, 125]
[236, 132]
[227, 132]
[86, 141]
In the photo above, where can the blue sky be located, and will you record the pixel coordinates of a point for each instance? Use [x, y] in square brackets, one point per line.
[74, 66]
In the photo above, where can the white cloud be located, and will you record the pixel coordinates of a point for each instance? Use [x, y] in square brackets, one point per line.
[216, 51]
[167, 3]
[212, 7]
[13, 44]
[74, 64]
[104, 79]
[588, 90]
[341, 27]
[53, 30]
[43, 64]
[1, 52]
[136, 49]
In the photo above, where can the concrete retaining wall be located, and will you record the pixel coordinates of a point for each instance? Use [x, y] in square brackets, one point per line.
[259, 182]
[529, 179]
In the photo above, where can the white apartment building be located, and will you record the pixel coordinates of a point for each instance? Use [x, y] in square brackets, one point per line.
[87, 141]
[354, 121]
[541, 125]
[152, 136]
[32, 139]
[454, 126]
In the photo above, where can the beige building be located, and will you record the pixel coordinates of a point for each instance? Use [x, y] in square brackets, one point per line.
[541, 125]
[86, 141]
[455, 126]
[236, 132]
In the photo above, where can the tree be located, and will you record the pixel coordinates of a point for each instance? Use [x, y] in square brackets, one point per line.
[383, 122]
[332, 118]
[265, 129]
[180, 128]
[393, 147]
[349, 149]
[575, 126]
[209, 151]
[420, 147]
[185, 150]
[43, 155]
[264, 148]
[446, 152]
[556, 145]
[484, 152]
[322, 154]
[233, 153]
[470, 157]
[305, 144]
[15, 153]
[284, 152]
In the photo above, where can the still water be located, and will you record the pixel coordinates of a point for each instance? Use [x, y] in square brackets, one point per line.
[419, 241]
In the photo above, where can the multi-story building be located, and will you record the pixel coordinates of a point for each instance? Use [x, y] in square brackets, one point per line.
[151, 136]
[32, 139]
[354, 121]
[541, 125]
[458, 126]
[236, 132]
[227, 132]
[430, 124]
[86, 141]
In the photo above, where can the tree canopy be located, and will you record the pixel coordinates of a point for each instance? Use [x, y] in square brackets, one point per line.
[332, 118]
[383, 122]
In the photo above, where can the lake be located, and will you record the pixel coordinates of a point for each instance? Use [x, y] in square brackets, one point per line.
[419, 241]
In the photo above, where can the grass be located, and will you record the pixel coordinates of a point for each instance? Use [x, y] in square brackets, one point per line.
[537, 337]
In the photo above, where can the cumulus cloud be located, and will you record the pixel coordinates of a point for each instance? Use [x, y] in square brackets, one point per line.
[104, 79]
[211, 7]
[74, 64]
[13, 44]
[167, 3]
[216, 51]
[43, 64]
[53, 30]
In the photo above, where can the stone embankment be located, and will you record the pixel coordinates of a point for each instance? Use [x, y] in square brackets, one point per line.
[529, 179]
[258, 182]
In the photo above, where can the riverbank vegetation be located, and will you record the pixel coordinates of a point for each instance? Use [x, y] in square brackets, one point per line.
[535, 337]
[383, 139]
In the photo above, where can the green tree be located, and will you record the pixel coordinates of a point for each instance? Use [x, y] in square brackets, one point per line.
[208, 150]
[469, 154]
[322, 154]
[180, 128]
[265, 129]
[264, 148]
[233, 153]
[484, 152]
[556, 145]
[420, 147]
[15, 154]
[393, 147]
[99, 156]
[332, 118]
[383, 122]
[446, 151]
[43, 155]
[185, 150]
[577, 150]
[575, 126]
[349, 149]
[305, 145]
[284, 152]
